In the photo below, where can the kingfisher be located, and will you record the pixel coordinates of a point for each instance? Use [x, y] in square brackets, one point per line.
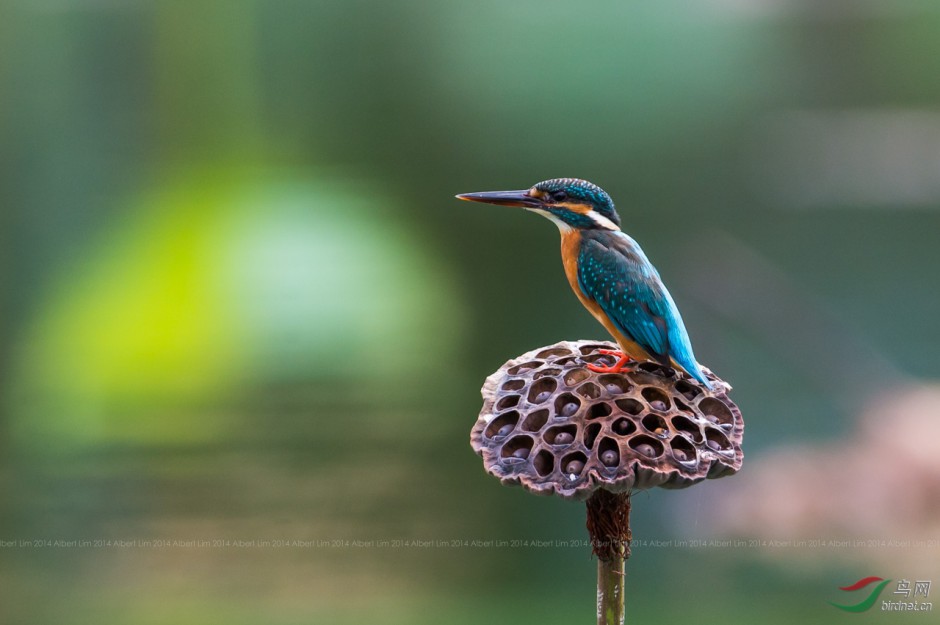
[609, 273]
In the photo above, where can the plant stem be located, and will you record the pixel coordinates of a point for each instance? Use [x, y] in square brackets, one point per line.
[608, 523]
[610, 591]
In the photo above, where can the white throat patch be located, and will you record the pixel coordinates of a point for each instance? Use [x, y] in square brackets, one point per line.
[562, 226]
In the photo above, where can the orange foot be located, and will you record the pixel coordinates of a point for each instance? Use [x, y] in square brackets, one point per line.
[621, 364]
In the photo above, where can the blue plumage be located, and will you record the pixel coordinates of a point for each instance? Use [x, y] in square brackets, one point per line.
[614, 272]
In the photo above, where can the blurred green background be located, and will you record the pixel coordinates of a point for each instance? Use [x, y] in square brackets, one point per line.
[238, 302]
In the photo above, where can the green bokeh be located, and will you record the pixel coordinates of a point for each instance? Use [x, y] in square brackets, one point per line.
[239, 303]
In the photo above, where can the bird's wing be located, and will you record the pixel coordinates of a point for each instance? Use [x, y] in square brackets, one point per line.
[617, 275]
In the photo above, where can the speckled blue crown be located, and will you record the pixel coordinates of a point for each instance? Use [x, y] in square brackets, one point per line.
[585, 191]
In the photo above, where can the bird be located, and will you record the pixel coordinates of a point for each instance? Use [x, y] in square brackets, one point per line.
[609, 272]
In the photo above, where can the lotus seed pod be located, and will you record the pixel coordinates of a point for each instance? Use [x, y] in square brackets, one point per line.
[554, 426]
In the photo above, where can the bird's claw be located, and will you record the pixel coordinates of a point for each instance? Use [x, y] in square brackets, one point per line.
[622, 361]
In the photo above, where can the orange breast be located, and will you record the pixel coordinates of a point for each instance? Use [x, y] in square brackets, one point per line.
[570, 247]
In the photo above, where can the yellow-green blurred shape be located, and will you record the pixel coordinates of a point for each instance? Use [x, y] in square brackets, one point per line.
[224, 285]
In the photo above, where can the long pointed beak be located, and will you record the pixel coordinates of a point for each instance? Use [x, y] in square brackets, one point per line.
[503, 198]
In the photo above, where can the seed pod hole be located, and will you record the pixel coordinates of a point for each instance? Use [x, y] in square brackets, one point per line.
[647, 446]
[603, 360]
[560, 435]
[609, 452]
[629, 406]
[555, 351]
[504, 431]
[513, 385]
[535, 421]
[589, 390]
[526, 366]
[656, 398]
[687, 427]
[542, 390]
[656, 425]
[587, 350]
[566, 405]
[573, 464]
[576, 376]
[712, 407]
[564, 362]
[546, 373]
[687, 390]
[623, 426]
[517, 448]
[544, 462]
[657, 369]
[590, 434]
[502, 425]
[716, 441]
[682, 407]
[683, 451]
[615, 384]
[599, 411]
[507, 402]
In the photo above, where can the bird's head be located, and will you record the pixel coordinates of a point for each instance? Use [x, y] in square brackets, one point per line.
[570, 202]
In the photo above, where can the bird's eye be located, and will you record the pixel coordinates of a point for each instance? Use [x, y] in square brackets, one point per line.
[559, 196]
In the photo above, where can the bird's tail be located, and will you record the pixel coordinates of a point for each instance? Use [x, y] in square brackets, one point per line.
[697, 373]
[690, 366]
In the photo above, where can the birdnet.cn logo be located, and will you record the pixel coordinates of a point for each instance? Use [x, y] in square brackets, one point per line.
[906, 596]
